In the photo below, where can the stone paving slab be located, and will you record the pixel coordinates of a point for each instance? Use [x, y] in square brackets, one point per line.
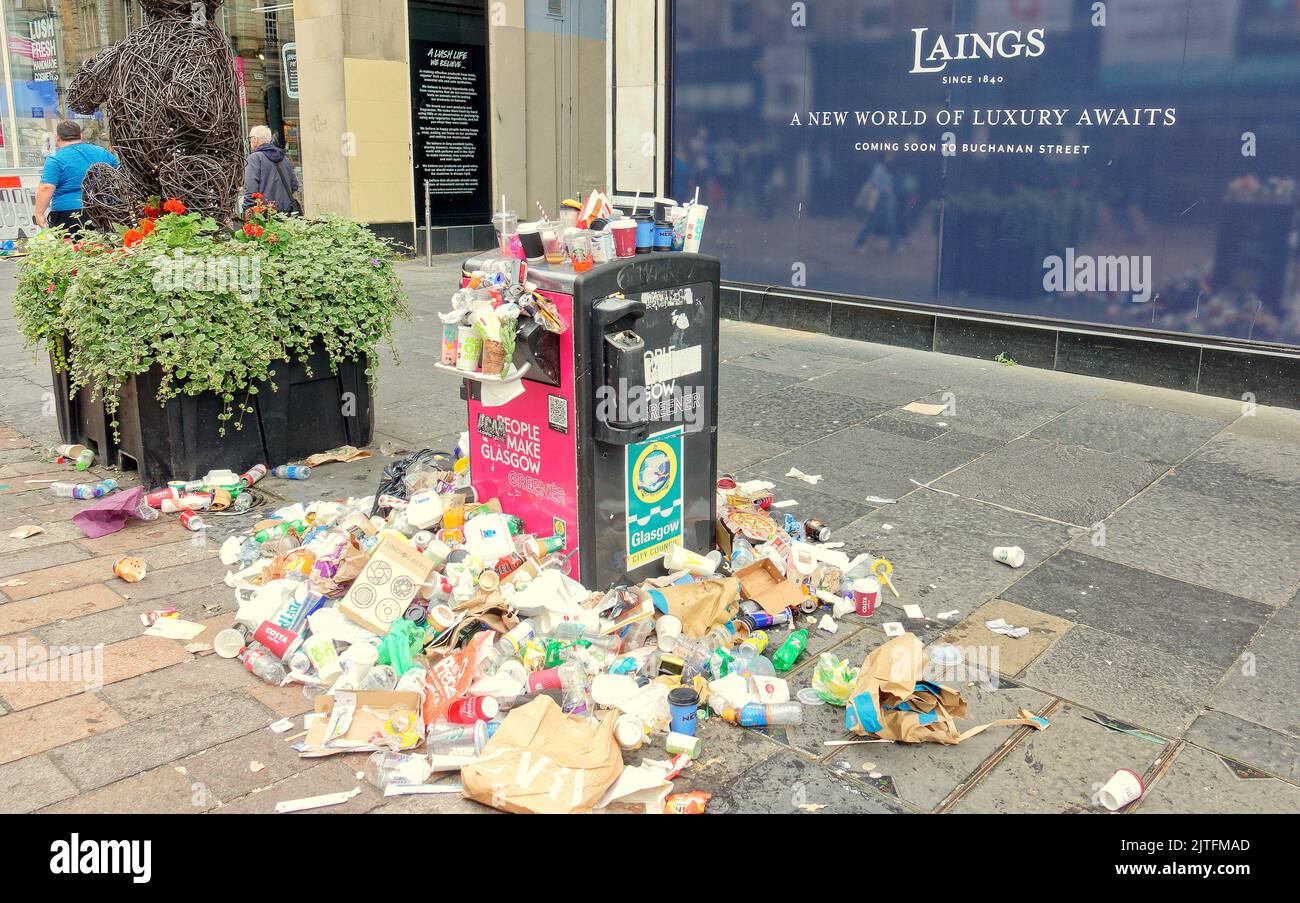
[1153, 690]
[32, 783]
[1199, 782]
[1059, 770]
[1231, 737]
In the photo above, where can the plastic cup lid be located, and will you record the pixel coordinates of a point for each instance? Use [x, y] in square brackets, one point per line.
[228, 643]
[808, 696]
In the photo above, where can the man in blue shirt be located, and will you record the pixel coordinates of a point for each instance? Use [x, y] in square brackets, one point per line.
[58, 197]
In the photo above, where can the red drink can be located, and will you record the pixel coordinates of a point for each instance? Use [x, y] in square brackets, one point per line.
[473, 709]
[254, 476]
[156, 498]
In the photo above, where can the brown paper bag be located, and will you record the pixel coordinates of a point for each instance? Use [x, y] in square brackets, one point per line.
[542, 761]
[703, 604]
[893, 701]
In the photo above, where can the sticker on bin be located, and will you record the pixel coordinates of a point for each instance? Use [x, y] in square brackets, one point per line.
[654, 477]
[667, 364]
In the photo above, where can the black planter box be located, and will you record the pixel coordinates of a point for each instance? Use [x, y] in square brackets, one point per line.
[82, 421]
[180, 440]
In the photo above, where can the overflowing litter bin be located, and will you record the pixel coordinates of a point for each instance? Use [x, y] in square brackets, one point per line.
[607, 432]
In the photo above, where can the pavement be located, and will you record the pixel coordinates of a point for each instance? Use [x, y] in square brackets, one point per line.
[1162, 533]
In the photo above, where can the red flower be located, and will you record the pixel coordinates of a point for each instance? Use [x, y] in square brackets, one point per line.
[152, 212]
[257, 196]
[174, 206]
[253, 230]
[132, 238]
[49, 289]
[147, 226]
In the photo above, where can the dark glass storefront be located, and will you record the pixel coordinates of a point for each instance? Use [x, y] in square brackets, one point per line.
[1125, 165]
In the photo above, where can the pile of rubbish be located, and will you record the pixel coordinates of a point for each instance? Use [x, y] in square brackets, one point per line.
[440, 637]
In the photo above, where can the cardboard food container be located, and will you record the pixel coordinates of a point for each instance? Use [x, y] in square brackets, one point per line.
[763, 582]
[387, 586]
[352, 721]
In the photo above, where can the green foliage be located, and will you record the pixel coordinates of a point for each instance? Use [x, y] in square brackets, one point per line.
[214, 313]
[509, 335]
[1006, 361]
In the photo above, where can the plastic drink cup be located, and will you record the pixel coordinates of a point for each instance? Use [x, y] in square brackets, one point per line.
[553, 244]
[696, 217]
[530, 237]
[569, 213]
[866, 594]
[453, 513]
[507, 227]
[229, 643]
[683, 703]
[677, 216]
[624, 232]
[683, 559]
[1124, 787]
[661, 209]
[450, 341]
[578, 241]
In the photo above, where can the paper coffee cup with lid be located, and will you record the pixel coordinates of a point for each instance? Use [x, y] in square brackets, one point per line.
[1012, 556]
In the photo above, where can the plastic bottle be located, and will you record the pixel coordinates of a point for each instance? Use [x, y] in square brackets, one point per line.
[694, 654]
[74, 491]
[292, 472]
[379, 678]
[742, 553]
[790, 650]
[637, 634]
[145, 512]
[387, 769]
[264, 665]
[786, 714]
[85, 459]
[721, 637]
[509, 646]
[280, 530]
[577, 689]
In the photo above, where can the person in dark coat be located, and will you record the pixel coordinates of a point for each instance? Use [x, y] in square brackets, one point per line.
[269, 173]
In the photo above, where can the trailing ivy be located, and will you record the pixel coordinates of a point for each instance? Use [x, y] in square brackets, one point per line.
[215, 313]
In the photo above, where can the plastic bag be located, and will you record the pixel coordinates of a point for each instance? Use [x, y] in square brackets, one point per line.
[833, 679]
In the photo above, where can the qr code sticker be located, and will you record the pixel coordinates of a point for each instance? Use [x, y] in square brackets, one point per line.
[557, 410]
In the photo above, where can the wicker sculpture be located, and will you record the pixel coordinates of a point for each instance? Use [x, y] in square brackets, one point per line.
[172, 103]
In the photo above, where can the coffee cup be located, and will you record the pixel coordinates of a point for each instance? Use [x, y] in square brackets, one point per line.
[668, 628]
[645, 233]
[624, 232]
[1012, 556]
[530, 236]
[1124, 787]
[866, 594]
[683, 703]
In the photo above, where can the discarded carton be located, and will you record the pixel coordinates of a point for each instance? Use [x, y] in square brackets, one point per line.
[763, 582]
[892, 700]
[353, 722]
[387, 585]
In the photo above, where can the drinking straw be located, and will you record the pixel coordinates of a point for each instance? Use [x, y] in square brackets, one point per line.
[542, 210]
[697, 196]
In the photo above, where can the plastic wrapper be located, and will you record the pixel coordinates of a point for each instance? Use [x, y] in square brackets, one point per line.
[833, 679]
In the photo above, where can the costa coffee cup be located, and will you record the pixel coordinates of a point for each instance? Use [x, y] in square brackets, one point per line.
[1124, 787]
[624, 232]
[866, 594]
[473, 709]
[1012, 556]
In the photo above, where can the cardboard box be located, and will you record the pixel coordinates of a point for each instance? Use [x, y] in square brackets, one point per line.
[764, 583]
[350, 722]
[387, 586]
